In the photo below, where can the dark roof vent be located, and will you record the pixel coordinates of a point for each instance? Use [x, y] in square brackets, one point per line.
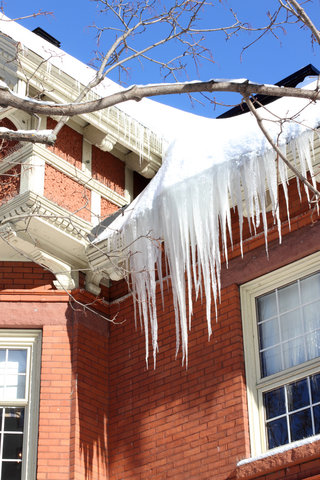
[291, 81]
[43, 34]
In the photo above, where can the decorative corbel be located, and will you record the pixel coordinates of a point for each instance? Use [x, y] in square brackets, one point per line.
[93, 280]
[101, 140]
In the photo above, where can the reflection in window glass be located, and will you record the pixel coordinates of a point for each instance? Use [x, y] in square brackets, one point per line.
[289, 325]
[11, 470]
[13, 374]
[291, 413]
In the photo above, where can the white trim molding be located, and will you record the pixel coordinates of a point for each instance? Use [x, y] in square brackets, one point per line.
[257, 384]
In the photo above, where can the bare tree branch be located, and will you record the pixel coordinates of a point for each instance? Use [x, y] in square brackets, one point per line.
[137, 92]
[275, 147]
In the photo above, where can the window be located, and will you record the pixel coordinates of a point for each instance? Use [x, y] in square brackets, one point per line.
[19, 403]
[281, 325]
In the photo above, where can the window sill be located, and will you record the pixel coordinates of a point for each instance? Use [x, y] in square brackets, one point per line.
[279, 458]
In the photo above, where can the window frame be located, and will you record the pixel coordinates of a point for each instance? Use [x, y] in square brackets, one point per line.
[32, 341]
[256, 384]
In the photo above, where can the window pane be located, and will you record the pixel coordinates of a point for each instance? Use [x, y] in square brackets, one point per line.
[267, 306]
[298, 395]
[12, 446]
[2, 356]
[269, 333]
[271, 361]
[18, 359]
[316, 416]
[313, 345]
[291, 325]
[11, 470]
[15, 387]
[310, 288]
[14, 418]
[315, 388]
[293, 353]
[311, 315]
[288, 297]
[300, 425]
[274, 403]
[277, 432]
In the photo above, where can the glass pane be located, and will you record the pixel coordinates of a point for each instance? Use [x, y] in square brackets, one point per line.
[21, 391]
[277, 432]
[315, 388]
[291, 325]
[310, 288]
[300, 425]
[274, 403]
[267, 306]
[269, 333]
[298, 395]
[293, 353]
[271, 361]
[14, 418]
[18, 360]
[313, 345]
[15, 387]
[2, 357]
[311, 315]
[12, 446]
[288, 297]
[11, 470]
[316, 416]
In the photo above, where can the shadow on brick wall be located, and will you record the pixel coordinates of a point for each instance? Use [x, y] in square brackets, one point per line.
[88, 339]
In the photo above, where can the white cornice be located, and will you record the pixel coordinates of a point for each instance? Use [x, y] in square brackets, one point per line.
[66, 279]
[56, 230]
[61, 88]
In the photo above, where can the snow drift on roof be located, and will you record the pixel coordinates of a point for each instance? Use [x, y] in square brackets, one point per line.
[187, 204]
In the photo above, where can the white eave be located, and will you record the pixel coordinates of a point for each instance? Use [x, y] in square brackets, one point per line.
[111, 130]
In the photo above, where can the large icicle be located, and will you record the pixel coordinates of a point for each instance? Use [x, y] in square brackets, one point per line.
[210, 166]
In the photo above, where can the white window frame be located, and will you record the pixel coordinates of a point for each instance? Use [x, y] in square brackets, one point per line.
[256, 385]
[31, 340]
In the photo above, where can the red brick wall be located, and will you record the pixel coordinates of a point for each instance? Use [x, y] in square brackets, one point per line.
[73, 425]
[90, 422]
[68, 144]
[172, 422]
[186, 424]
[97, 395]
[107, 208]
[67, 193]
[10, 184]
[108, 170]
[24, 275]
[6, 147]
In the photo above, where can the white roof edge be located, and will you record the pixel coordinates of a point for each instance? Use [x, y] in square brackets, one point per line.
[142, 112]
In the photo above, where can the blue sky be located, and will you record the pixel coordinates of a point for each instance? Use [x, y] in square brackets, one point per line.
[267, 61]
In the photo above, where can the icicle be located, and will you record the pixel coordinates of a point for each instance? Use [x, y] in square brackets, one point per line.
[212, 166]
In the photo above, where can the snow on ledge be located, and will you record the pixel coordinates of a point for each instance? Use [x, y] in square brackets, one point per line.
[277, 450]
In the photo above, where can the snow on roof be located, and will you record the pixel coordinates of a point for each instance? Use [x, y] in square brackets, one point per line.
[187, 203]
[151, 114]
